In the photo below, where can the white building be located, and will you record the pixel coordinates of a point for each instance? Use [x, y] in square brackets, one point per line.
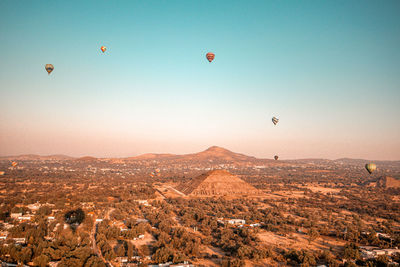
[16, 215]
[18, 240]
[3, 235]
[24, 218]
[35, 206]
[236, 221]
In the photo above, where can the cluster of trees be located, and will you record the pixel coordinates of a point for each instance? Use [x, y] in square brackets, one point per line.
[68, 248]
[176, 245]
[173, 243]
[307, 258]
[241, 243]
[106, 233]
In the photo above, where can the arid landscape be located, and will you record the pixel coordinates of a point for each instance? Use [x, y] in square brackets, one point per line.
[175, 133]
[212, 208]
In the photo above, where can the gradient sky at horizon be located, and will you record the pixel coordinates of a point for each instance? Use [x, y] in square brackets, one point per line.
[329, 70]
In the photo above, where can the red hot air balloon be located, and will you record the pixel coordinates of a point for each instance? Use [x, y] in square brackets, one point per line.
[210, 56]
[103, 49]
[49, 68]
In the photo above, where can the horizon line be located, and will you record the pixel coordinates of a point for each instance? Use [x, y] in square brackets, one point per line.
[166, 153]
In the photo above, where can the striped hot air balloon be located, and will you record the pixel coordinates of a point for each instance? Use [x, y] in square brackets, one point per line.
[210, 56]
[14, 164]
[371, 167]
[49, 68]
[103, 49]
[275, 120]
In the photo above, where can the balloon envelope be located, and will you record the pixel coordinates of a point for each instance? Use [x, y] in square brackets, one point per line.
[371, 167]
[49, 68]
[103, 49]
[275, 120]
[210, 56]
[14, 164]
[276, 157]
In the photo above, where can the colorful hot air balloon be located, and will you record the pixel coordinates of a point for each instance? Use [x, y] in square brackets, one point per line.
[49, 68]
[103, 49]
[210, 56]
[371, 167]
[14, 164]
[276, 157]
[275, 120]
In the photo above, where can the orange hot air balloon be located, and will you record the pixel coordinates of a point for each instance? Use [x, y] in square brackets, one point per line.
[210, 56]
[103, 49]
[14, 164]
[49, 68]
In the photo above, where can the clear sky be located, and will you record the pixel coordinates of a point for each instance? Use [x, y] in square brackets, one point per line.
[329, 70]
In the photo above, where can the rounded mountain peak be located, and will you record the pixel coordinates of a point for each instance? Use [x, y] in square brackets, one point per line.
[217, 149]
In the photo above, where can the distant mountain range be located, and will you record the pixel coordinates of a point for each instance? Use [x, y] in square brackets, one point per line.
[37, 157]
[213, 154]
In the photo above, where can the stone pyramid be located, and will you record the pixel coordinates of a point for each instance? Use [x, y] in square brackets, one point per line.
[217, 183]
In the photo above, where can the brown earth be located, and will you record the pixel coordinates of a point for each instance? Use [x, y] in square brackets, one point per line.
[388, 182]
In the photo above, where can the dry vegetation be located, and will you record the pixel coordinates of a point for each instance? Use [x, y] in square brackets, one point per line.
[303, 214]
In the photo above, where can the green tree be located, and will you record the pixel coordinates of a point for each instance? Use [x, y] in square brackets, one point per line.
[68, 262]
[312, 235]
[382, 261]
[162, 255]
[26, 255]
[130, 251]
[120, 250]
[351, 252]
[41, 260]
[94, 261]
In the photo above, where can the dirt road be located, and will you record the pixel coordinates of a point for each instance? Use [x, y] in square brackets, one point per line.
[95, 249]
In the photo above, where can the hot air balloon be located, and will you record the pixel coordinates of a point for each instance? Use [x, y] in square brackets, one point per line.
[276, 157]
[210, 56]
[103, 49]
[275, 120]
[49, 68]
[371, 167]
[14, 164]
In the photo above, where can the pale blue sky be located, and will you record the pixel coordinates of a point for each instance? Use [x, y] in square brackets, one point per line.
[330, 70]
